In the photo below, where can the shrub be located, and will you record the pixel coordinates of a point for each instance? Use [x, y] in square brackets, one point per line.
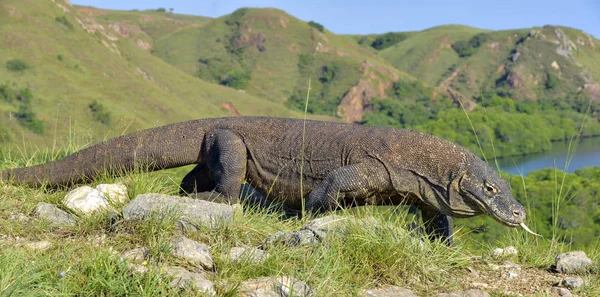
[478, 40]
[468, 48]
[10, 92]
[304, 60]
[317, 26]
[63, 21]
[237, 79]
[100, 114]
[161, 9]
[463, 49]
[17, 65]
[551, 81]
[388, 39]
[27, 118]
[328, 73]
[411, 90]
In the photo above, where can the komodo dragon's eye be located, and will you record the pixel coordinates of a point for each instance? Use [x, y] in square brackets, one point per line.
[489, 188]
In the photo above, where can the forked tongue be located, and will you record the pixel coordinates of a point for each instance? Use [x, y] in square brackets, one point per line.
[528, 230]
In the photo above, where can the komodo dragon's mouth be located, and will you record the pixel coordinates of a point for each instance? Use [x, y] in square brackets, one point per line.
[508, 223]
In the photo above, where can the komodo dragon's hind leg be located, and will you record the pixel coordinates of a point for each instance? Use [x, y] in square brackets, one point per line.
[197, 180]
[223, 168]
[437, 225]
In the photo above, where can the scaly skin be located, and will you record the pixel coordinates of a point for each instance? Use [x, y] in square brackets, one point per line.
[337, 165]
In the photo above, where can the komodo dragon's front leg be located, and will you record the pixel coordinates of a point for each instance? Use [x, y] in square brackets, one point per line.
[358, 181]
[437, 225]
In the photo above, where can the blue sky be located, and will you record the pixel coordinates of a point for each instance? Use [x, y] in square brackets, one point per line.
[378, 16]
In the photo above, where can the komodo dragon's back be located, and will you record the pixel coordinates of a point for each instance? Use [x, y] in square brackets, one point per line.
[333, 162]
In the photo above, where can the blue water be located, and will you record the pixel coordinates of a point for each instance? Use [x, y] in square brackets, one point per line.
[586, 154]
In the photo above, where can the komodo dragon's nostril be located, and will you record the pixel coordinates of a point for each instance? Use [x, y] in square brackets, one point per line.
[517, 213]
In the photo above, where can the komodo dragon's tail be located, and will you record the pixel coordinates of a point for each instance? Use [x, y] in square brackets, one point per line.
[154, 149]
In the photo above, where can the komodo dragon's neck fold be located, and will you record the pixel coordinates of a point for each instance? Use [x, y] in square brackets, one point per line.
[148, 150]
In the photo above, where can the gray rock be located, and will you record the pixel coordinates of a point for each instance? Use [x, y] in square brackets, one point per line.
[497, 252]
[318, 229]
[19, 217]
[114, 193]
[562, 292]
[330, 224]
[511, 251]
[54, 215]
[136, 255]
[253, 255]
[573, 262]
[191, 213]
[515, 56]
[479, 285]
[292, 238]
[192, 251]
[511, 274]
[135, 268]
[466, 293]
[510, 265]
[85, 199]
[387, 292]
[504, 252]
[572, 282]
[39, 245]
[276, 286]
[183, 279]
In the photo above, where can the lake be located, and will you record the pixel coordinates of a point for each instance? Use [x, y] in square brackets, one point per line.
[587, 154]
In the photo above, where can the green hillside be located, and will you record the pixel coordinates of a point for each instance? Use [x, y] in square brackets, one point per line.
[428, 54]
[273, 55]
[56, 61]
[96, 73]
[521, 63]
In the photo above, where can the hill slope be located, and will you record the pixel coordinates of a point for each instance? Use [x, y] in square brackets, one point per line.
[102, 72]
[273, 55]
[59, 61]
[535, 64]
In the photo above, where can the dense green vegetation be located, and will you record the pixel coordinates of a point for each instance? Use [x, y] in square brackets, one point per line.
[498, 127]
[237, 79]
[317, 26]
[22, 98]
[468, 48]
[17, 65]
[561, 206]
[99, 113]
[65, 22]
[388, 39]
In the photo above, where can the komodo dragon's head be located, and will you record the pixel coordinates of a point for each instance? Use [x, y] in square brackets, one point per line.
[481, 190]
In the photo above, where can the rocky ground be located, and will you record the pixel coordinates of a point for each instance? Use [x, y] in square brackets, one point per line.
[496, 274]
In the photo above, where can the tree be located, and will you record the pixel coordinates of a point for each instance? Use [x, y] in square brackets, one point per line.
[317, 26]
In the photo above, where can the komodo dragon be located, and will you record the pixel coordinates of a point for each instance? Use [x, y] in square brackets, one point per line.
[334, 163]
